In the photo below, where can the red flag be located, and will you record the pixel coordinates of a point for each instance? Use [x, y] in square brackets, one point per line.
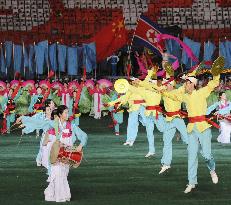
[111, 38]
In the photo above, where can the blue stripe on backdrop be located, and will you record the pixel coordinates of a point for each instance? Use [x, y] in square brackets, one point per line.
[2, 61]
[62, 55]
[89, 51]
[17, 58]
[72, 61]
[40, 53]
[53, 56]
[8, 52]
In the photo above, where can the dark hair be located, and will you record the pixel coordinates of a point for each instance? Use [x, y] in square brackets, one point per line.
[221, 93]
[54, 112]
[48, 102]
[61, 109]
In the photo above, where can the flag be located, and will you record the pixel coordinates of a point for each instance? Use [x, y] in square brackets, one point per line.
[2, 60]
[18, 55]
[146, 33]
[72, 61]
[53, 56]
[89, 56]
[41, 51]
[111, 38]
[62, 56]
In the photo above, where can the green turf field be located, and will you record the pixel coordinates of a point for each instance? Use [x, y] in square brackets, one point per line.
[112, 174]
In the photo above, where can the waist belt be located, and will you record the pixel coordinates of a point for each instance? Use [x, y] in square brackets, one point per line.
[203, 119]
[157, 108]
[139, 101]
[179, 112]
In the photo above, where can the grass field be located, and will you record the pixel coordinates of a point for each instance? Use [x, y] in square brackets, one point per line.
[112, 174]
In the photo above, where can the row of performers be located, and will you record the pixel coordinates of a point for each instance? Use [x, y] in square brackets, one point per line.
[144, 98]
[28, 98]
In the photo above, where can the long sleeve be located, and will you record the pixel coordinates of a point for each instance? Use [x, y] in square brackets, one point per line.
[80, 134]
[123, 99]
[205, 91]
[211, 108]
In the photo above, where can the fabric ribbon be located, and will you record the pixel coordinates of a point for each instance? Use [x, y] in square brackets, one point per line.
[187, 49]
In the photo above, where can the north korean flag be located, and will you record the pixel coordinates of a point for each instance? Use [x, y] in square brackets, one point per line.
[145, 35]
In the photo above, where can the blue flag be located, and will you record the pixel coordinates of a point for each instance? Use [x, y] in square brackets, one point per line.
[62, 55]
[195, 46]
[17, 58]
[53, 56]
[89, 53]
[3, 63]
[41, 50]
[31, 59]
[72, 61]
[9, 53]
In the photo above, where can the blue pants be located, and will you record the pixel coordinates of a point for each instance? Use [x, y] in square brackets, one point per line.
[114, 69]
[119, 118]
[10, 119]
[177, 124]
[133, 123]
[150, 122]
[203, 141]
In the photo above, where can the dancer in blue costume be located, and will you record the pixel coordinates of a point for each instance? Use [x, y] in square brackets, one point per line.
[116, 114]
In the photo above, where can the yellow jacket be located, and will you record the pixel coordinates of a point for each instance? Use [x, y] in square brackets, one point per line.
[172, 105]
[196, 104]
[151, 98]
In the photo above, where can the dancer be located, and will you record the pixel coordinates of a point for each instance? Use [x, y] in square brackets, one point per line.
[198, 128]
[136, 109]
[223, 109]
[174, 120]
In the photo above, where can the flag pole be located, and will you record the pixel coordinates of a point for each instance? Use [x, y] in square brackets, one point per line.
[23, 53]
[36, 67]
[131, 43]
[48, 66]
[13, 59]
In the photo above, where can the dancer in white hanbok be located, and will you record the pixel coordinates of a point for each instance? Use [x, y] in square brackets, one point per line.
[223, 108]
[58, 189]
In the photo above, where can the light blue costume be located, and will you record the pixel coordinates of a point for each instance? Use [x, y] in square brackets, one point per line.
[221, 111]
[168, 135]
[133, 123]
[34, 100]
[10, 118]
[36, 122]
[117, 116]
[40, 122]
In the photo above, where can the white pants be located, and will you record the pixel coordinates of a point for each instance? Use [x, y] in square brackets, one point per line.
[225, 128]
[58, 189]
[97, 105]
